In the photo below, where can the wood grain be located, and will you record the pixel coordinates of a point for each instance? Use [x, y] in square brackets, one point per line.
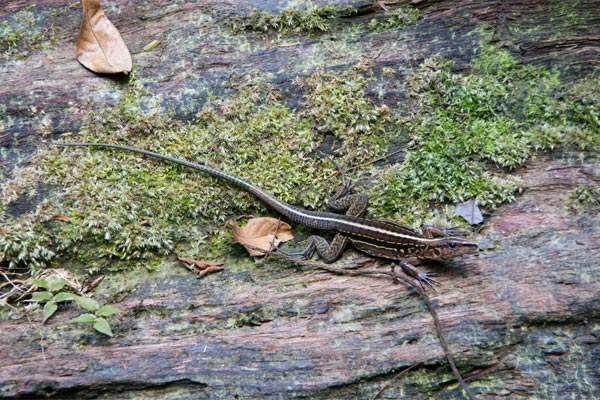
[521, 316]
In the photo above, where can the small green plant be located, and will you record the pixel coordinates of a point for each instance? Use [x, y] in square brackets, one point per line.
[584, 198]
[290, 21]
[97, 317]
[54, 295]
[20, 34]
[395, 19]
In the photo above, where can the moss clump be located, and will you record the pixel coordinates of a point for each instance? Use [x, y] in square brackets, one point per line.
[126, 207]
[252, 317]
[584, 198]
[470, 129]
[467, 132]
[290, 21]
[19, 34]
[395, 19]
[317, 20]
[569, 120]
[337, 105]
[25, 241]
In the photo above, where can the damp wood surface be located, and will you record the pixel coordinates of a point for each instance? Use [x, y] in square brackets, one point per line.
[522, 317]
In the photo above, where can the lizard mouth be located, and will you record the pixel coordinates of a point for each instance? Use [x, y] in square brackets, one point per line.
[454, 247]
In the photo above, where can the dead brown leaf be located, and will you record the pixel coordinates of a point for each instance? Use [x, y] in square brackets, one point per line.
[91, 284]
[100, 47]
[262, 232]
[201, 268]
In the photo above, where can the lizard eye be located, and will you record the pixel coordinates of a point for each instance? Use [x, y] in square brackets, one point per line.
[452, 245]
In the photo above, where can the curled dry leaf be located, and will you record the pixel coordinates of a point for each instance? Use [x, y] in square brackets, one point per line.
[100, 46]
[201, 268]
[263, 232]
[91, 284]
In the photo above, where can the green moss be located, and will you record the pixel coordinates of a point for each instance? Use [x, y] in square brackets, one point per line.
[20, 34]
[317, 20]
[125, 207]
[395, 19]
[584, 198]
[253, 317]
[25, 241]
[569, 119]
[337, 105]
[290, 21]
[467, 132]
[470, 129]
[65, 9]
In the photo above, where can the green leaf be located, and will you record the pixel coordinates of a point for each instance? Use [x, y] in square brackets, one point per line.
[102, 326]
[84, 318]
[41, 283]
[49, 310]
[63, 296]
[55, 284]
[86, 302]
[41, 296]
[107, 311]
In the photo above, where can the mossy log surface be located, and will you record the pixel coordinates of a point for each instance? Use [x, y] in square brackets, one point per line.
[522, 316]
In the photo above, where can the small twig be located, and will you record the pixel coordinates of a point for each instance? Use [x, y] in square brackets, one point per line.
[91, 285]
[375, 57]
[396, 376]
[289, 44]
[15, 288]
[8, 280]
[398, 278]
[42, 338]
[449, 356]
[561, 167]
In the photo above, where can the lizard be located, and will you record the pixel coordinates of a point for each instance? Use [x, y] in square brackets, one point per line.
[378, 238]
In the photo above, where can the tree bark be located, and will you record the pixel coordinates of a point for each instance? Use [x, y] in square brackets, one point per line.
[521, 317]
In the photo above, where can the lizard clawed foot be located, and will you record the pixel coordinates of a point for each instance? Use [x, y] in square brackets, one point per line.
[424, 278]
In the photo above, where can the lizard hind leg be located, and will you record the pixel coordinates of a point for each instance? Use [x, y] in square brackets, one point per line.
[328, 252]
[354, 205]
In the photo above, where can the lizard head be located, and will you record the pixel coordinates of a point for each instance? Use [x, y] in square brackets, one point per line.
[449, 247]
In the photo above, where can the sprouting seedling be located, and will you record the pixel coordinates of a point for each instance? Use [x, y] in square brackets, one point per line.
[53, 295]
[97, 317]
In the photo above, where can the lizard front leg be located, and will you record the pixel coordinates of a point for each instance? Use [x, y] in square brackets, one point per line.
[423, 277]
